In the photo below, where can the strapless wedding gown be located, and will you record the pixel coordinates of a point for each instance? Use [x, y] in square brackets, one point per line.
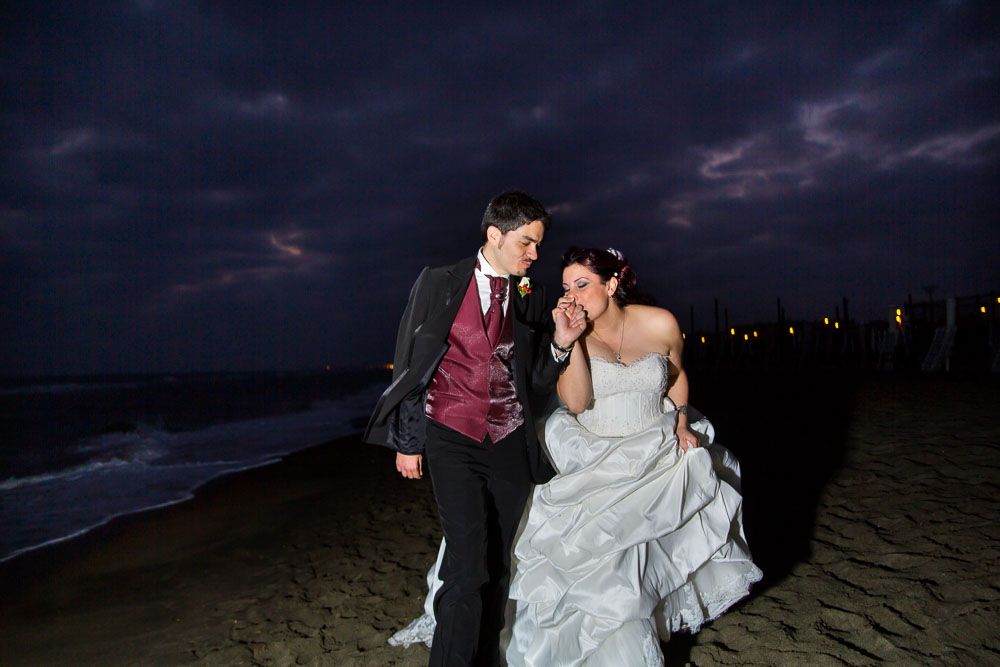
[632, 540]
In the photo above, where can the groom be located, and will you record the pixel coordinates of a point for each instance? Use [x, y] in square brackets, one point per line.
[474, 340]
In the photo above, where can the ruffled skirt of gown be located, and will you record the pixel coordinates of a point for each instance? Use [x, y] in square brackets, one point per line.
[633, 540]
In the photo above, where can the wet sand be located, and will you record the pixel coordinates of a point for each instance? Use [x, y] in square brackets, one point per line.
[871, 504]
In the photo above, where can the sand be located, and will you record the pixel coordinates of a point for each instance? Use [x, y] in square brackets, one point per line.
[871, 504]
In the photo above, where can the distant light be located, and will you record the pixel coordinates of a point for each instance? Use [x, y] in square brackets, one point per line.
[791, 330]
[746, 337]
[388, 367]
[836, 325]
[983, 309]
[328, 367]
[754, 334]
[702, 339]
[826, 320]
[898, 312]
[684, 336]
[732, 332]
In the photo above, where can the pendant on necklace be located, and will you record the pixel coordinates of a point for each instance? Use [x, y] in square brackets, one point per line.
[619, 358]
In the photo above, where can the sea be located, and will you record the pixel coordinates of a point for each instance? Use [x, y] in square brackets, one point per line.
[77, 452]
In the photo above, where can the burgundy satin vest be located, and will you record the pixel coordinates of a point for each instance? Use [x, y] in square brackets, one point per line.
[473, 390]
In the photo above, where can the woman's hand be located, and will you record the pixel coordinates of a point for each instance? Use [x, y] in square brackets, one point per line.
[570, 320]
[686, 439]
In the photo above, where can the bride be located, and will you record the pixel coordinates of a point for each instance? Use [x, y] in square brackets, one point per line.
[640, 533]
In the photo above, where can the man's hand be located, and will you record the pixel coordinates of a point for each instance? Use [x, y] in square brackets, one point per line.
[410, 466]
[570, 320]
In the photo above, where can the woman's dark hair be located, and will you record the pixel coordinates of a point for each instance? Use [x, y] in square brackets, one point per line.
[608, 264]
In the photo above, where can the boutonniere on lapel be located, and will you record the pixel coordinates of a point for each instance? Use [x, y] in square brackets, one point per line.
[524, 287]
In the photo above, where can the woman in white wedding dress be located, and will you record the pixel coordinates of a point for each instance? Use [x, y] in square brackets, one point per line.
[640, 533]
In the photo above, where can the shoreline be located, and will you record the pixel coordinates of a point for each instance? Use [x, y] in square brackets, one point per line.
[58, 550]
[166, 586]
[78, 459]
[188, 496]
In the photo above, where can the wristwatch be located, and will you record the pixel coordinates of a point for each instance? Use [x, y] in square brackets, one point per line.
[682, 409]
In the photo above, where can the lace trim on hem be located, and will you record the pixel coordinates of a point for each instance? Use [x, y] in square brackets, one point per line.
[651, 653]
[692, 616]
[419, 631]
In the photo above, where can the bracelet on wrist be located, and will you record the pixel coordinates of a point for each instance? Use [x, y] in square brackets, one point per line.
[682, 409]
[564, 350]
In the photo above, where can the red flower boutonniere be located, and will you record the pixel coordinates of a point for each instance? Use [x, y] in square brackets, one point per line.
[524, 287]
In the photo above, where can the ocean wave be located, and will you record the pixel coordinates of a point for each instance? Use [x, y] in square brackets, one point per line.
[140, 467]
[68, 474]
[143, 443]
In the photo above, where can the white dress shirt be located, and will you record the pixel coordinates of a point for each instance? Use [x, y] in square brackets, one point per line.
[483, 283]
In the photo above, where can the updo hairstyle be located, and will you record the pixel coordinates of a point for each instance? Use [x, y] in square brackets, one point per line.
[608, 264]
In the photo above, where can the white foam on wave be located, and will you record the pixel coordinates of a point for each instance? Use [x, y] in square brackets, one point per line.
[141, 439]
[75, 472]
[111, 450]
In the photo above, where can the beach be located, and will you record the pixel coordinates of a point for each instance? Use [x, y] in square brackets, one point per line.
[871, 504]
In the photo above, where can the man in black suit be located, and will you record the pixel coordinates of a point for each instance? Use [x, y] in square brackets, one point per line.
[472, 348]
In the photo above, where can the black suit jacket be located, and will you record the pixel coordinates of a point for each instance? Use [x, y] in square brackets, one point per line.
[399, 420]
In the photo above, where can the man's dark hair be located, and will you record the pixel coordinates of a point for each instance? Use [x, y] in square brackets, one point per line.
[513, 209]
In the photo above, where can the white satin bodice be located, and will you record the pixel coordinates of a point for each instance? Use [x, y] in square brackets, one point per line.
[627, 398]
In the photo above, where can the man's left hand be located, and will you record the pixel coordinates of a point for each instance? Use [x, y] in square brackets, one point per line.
[410, 466]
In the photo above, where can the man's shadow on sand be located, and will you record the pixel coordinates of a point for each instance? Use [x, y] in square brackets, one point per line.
[788, 431]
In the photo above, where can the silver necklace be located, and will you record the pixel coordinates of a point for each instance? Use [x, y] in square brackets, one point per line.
[621, 343]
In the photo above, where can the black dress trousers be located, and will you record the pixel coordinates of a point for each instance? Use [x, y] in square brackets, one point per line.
[481, 489]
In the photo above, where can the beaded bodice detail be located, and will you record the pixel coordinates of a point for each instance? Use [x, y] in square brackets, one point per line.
[627, 397]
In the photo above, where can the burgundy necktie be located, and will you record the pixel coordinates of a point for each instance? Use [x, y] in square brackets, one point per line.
[494, 314]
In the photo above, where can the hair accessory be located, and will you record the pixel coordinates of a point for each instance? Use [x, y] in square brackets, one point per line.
[617, 253]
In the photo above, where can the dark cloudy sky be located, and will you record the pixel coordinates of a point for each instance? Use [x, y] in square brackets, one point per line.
[243, 185]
